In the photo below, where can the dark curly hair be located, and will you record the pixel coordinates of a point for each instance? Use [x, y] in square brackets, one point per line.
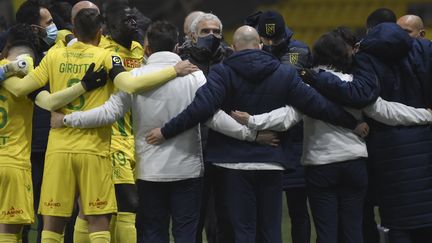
[21, 35]
[346, 34]
[28, 13]
[332, 50]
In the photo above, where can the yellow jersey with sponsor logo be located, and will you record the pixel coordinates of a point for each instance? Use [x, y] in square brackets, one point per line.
[131, 59]
[60, 41]
[16, 116]
[64, 67]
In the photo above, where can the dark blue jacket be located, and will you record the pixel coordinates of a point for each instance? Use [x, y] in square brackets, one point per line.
[297, 54]
[256, 82]
[400, 157]
[41, 128]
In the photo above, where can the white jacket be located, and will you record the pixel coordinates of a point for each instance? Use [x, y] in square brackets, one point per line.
[177, 158]
[324, 143]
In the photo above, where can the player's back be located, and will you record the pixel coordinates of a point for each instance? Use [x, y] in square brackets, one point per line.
[64, 67]
[16, 116]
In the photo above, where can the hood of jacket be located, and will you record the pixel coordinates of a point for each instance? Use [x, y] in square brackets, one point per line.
[252, 64]
[387, 41]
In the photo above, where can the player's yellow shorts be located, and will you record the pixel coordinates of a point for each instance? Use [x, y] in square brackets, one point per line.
[67, 175]
[122, 154]
[16, 196]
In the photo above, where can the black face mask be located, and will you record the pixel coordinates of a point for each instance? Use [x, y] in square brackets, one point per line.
[209, 43]
[276, 49]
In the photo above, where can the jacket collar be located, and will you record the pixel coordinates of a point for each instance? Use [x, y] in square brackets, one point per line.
[163, 57]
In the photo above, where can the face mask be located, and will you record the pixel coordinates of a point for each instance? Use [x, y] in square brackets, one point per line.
[276, 49]
[210, 43]
[51, 34]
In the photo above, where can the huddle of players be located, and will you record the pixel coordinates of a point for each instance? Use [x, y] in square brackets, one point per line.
[92, 166]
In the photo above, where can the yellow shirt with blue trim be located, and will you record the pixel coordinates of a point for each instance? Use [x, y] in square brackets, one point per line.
[16, 115]
[64, 67]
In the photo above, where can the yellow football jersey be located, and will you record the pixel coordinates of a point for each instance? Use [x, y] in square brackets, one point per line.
[64, 67]
[131, 59]
[16, 116]
[61, 38]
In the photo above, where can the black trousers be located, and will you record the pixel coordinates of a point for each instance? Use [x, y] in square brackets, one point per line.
[254, 201]
[214, 214]
[299, 214]
[160, 202]
[421, 235]
[336, 195]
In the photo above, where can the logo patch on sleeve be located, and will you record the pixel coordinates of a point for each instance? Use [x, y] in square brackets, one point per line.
[116, 61]
[132, 63]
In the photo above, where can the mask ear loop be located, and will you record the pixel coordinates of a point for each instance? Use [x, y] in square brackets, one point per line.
[40, 28]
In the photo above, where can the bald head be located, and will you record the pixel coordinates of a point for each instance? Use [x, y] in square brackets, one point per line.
[246, 37]
[188, 21]
[413, 25]
[82, 5]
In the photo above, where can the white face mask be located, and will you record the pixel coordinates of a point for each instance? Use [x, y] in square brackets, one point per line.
[51, 34]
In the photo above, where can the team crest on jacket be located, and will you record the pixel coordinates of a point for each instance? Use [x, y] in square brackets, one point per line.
[293, 58]
[270, 29]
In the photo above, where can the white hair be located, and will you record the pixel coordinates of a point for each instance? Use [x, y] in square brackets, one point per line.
[204, 17]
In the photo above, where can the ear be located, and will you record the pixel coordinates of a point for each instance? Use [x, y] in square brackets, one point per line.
[74, 31]
[34, 28]
[194, 37]
[176, 48]
[234, 47]
[99, 35]
[38, 30]
[147, 50]
[422, 33]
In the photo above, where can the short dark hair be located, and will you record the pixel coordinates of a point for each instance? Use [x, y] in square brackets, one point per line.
[162, 36]
[112, 12]
[332, 50]
[87, 23]
[61, 14]
[381, 15]
[28, 13]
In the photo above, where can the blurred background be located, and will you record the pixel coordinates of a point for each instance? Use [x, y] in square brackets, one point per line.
[307, 18]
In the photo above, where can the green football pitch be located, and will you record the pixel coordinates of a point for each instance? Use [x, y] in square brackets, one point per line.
[286, 228]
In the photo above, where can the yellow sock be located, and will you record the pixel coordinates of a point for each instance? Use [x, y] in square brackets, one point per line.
[81, 234]
[50, 237]
[100, 237]
[8, 238]
[113, 224]
[62, 238]
[125, 228]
